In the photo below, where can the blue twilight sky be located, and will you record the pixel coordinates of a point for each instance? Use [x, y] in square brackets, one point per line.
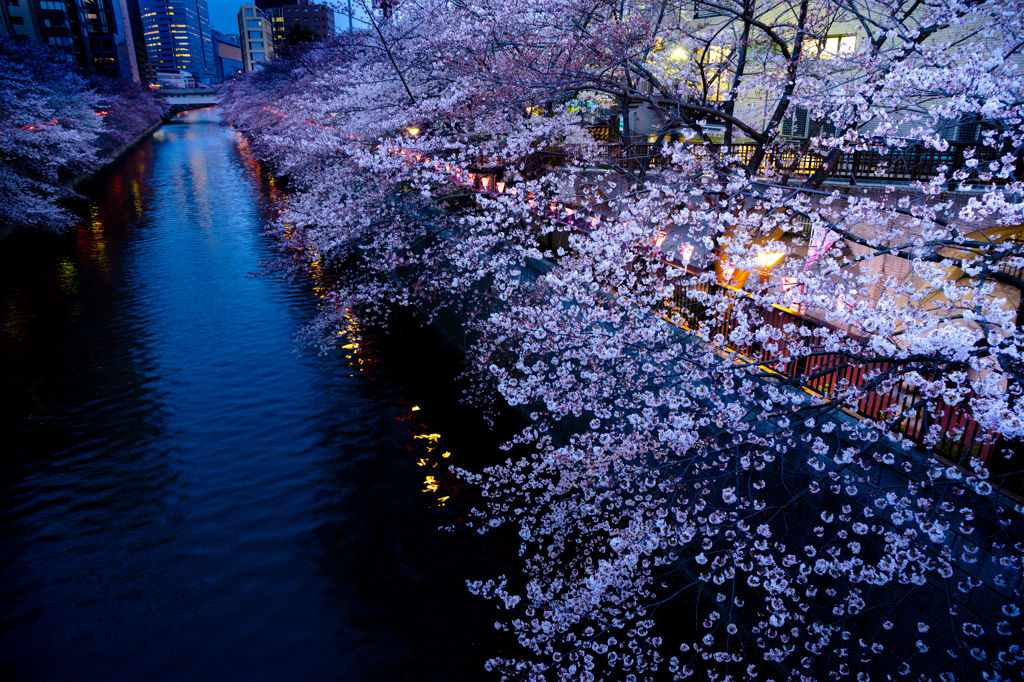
[224, 15]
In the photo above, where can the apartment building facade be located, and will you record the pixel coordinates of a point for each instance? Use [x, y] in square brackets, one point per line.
[287, 15]
[101, 36]
[256, 32]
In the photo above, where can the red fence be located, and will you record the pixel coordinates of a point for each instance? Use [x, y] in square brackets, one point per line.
[955, 435]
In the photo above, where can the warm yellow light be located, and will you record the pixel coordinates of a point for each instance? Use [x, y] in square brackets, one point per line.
[415, 408]
[678, 53]
[769, 258]
[414, 131]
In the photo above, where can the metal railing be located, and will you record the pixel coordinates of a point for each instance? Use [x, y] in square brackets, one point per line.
[932, 425]
[909, 164]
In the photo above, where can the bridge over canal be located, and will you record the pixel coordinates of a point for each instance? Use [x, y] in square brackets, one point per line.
[182, 99]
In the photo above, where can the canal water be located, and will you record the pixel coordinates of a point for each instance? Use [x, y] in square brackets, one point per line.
[183, 496]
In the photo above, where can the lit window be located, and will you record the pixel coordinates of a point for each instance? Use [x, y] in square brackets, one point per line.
[840, 44]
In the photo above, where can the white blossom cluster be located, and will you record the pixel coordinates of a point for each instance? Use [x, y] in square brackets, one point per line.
[684, 503]
[56, 124]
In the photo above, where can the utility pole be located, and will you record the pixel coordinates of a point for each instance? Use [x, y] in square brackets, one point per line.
[350, 17]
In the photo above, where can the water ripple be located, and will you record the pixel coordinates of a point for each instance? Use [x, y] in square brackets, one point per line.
[182, 497]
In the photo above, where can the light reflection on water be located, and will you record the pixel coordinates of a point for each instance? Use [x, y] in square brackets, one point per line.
[182, 497]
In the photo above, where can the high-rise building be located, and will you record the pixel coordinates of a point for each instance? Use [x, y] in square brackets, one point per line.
[179, 37]
[229, 55]
[276, 16]
[102, 36]
[287, 14]
[134, 44]
[257, 33]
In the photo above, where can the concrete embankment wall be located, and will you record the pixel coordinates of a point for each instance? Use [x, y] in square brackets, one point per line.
[79, 180]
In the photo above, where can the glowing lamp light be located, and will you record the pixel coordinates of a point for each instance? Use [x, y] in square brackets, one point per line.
[727, 272]
[660, 239]
[768, 259]
[513, 191]
[414, 131]
[500, 186]
[686, 251]
[485, 182]
[677, 54]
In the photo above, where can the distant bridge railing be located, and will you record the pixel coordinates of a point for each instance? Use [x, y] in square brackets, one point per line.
[190, 98]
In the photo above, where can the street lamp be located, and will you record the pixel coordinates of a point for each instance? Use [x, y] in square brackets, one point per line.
[767, 259]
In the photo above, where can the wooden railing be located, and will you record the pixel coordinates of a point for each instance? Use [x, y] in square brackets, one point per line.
[947, 431]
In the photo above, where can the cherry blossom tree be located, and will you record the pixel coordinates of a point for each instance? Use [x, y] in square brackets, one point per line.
[49, 125]
[130, 110]
[774, 417]
[57, 124]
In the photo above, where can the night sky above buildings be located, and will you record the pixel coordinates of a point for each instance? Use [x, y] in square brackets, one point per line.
[224, 16]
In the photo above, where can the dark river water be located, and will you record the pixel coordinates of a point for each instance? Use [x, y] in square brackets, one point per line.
[184, 497]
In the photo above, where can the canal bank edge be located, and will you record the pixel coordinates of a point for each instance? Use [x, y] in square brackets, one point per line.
[74, 183]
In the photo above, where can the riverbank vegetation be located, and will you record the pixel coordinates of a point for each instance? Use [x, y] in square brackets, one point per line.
[57, 124]
[791, 404]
